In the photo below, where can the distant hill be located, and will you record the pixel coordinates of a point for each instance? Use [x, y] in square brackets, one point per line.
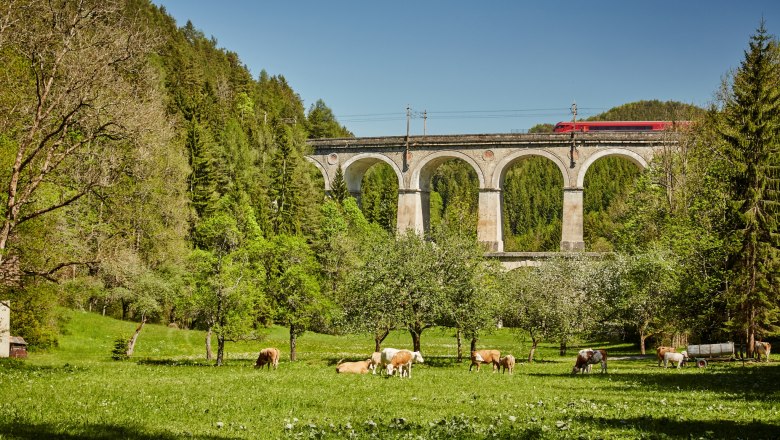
[653, 110]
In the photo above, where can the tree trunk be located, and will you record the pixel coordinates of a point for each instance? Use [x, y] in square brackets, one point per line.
[534, 343]
[415, 339]
[379, 337]
[293, 342]
[474, 344]
[562, 348]
[209, 355]
[642, 338]
[459, 337]
[220, 349]
[131, 342]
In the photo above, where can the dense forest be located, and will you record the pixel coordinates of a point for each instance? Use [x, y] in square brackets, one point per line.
[147, 175]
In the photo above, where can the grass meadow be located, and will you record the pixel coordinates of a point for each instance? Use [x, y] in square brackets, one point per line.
[168, 391]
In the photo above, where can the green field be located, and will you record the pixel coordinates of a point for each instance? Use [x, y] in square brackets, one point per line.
[168, 391]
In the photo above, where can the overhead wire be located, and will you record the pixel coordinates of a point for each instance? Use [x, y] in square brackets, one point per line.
[461, 114]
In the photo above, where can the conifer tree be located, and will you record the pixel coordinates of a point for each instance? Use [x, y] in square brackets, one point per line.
[338, 190]
[749, 127]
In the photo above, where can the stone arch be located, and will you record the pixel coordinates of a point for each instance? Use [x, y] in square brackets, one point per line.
[322, 170]
[355, 167]
[503, 166]
[424, 169]
[618, 152]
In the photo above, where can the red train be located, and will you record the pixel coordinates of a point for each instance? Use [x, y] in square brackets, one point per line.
[565, 127]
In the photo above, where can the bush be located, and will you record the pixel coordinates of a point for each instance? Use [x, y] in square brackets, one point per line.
[119, 352]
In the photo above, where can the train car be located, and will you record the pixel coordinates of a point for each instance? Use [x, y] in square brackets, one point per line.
[586, 126]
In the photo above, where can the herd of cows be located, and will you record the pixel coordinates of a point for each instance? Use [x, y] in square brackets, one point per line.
[392, 360]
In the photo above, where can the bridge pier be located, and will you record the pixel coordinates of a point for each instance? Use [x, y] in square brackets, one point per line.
[489, 228]
[413, 210]
[571, 233]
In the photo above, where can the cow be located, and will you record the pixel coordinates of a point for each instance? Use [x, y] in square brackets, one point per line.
[587, 357]
[661, 351]
[359, 367]
[507, 363]
[480, 357]
[395, 359]
[406, 369]
[678, 358]
[268, 356]
[762, 349]
[376, 360]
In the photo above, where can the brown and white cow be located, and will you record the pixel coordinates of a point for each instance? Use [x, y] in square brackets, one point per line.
[762, 349]
[661, 351]
[480, 357]
[587, 357]
[401, 360]
[268, 356]
[359, 367]
[507, 363]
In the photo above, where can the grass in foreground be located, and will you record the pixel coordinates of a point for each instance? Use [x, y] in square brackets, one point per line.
[169, 392]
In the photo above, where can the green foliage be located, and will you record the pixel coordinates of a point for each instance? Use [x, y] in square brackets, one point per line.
[119, 351]
[749, 128]
[34, 315]
[533, 206]
[652, 110]
[323, 124]
[338, 189]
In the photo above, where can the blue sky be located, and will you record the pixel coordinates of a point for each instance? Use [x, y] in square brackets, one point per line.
[483, 67]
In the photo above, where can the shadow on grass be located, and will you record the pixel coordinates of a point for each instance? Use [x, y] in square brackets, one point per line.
[19, 364]
[663, 427]
[175, 362]
[26, 430]
[757, 382]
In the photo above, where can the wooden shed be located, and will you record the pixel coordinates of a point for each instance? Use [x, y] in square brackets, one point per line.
[18, 347]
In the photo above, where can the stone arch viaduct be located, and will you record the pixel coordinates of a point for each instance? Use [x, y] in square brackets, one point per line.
[413, 159]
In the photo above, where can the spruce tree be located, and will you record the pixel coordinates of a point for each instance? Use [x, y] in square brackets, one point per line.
[338, 190]
[749, 127]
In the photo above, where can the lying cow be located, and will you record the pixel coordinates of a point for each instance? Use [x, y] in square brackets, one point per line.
[661, 351]
[268, 356]
[359, 367]
[588, 357]
[507, 363]
[762, 349]
[480, 357]
[675, 358]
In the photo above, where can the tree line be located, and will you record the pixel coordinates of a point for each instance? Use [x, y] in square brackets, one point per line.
[149, 176]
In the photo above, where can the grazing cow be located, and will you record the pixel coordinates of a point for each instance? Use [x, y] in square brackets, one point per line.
[762, 349]
[359, 367]
[678, 358]
[588, 357]
[507, 363]
[268, 356]
[406, 369]
[661, 351]
[394, 359]
[480, 357]
[376, 359]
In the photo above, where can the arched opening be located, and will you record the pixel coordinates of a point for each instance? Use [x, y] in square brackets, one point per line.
[454, 197]
[379, 196]
[606, 185]
[373, 179]
[532, 208]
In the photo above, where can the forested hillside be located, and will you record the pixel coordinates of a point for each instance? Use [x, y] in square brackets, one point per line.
[138, 151]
